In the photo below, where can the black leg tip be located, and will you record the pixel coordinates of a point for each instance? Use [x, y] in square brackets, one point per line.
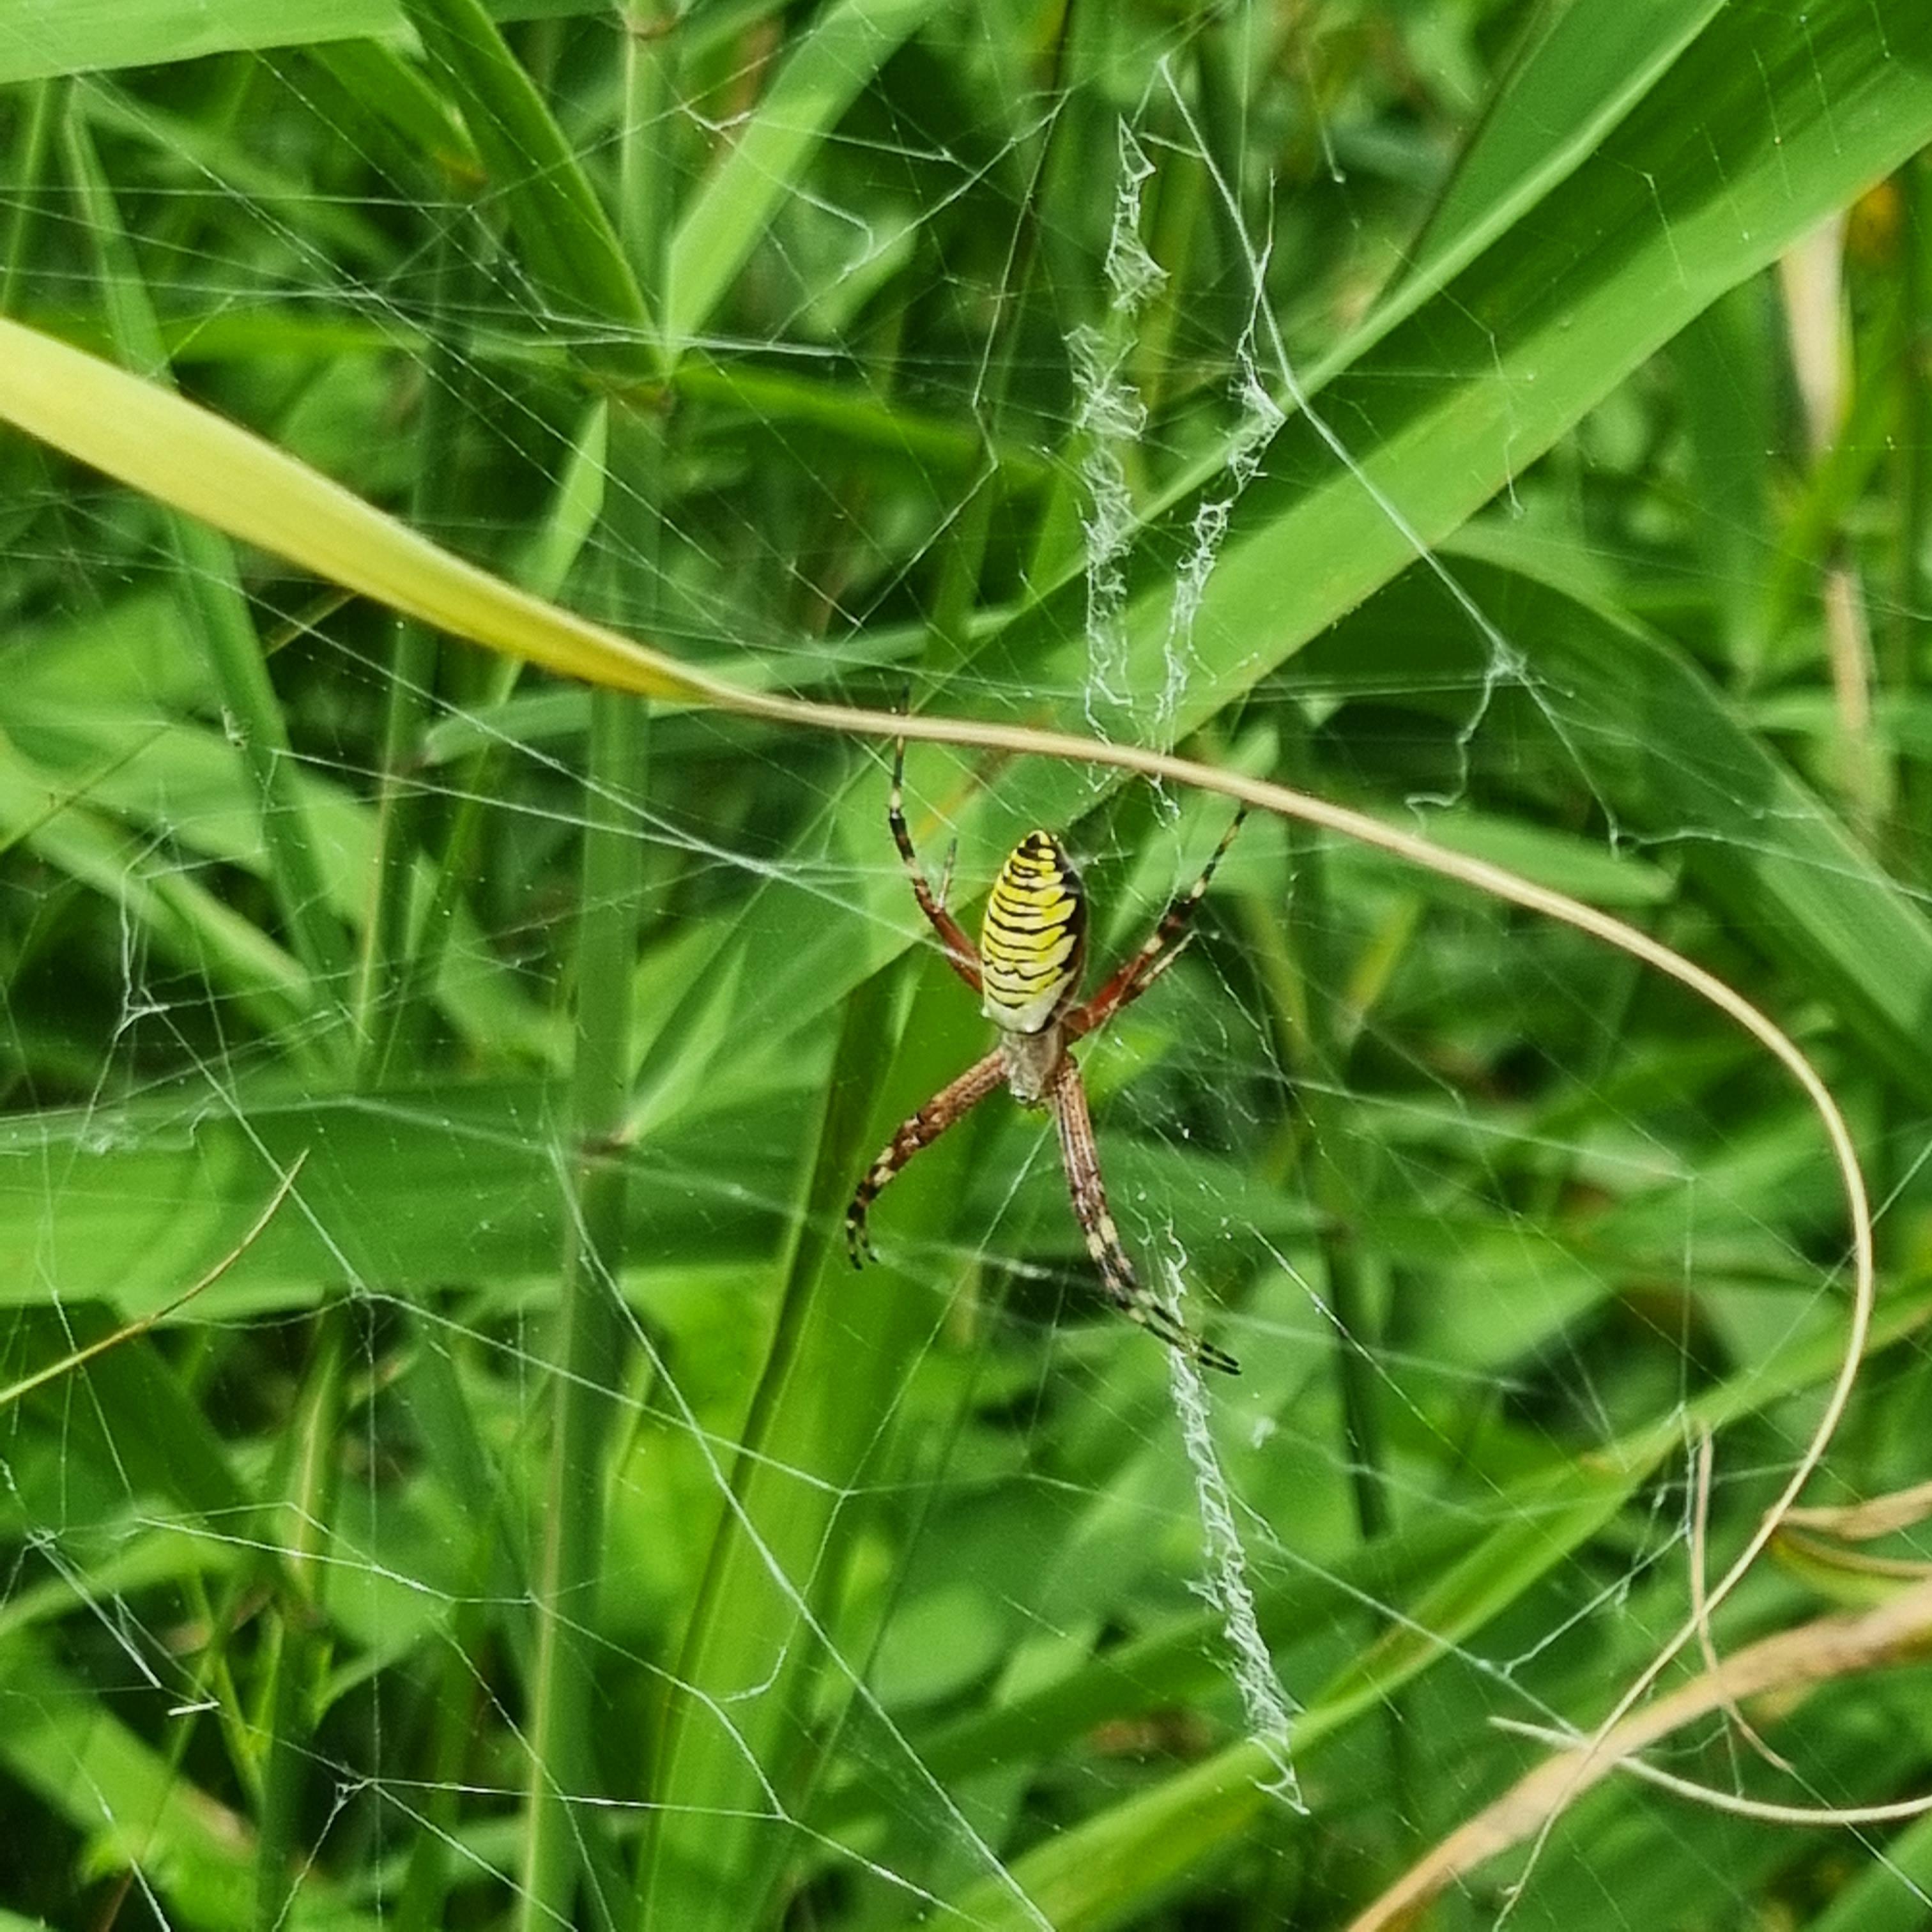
[858, 1242]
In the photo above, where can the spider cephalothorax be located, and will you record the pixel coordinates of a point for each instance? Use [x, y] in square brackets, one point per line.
[1026, 969]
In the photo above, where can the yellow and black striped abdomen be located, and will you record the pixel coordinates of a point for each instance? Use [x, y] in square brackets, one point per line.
[1033, 942]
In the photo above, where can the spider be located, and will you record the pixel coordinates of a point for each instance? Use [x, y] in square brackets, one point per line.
[1027, 968]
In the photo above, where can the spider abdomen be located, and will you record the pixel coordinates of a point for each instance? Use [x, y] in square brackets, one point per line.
[1032, 943]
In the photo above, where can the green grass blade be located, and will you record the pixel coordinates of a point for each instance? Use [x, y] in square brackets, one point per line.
[1667, 755]
[1586, 69]
[1796, 115]
[211, 588]
[763, 162]
[191, 926]
[733, 1772]
[1096, 1875]
[566, 237]
[88, 36]
[722, 1760]
[589, 1354]
[105, 1780]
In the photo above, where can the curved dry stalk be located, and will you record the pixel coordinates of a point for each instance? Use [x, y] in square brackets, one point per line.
[1815, 1653]
[210, 468]
[1700, 1607]
[1866, 1522]
[1829, 1553]
[75, 1358]
[1760, 1810]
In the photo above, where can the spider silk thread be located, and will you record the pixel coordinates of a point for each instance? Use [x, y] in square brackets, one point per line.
[1265, 1705]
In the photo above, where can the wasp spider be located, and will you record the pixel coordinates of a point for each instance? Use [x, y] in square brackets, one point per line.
[1027, 969]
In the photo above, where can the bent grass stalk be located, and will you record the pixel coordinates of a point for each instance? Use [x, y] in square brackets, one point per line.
[1813, 1653]
[77, 1357]
[201, 464]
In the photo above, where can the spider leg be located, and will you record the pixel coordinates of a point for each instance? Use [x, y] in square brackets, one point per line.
[950, 1104]
[1163, 947]
[1124, 1289]
[962, 954]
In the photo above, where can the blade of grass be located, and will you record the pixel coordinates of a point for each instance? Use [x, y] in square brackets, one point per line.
[1913, 486]
[153, 1192]
[730, 1770]
[376, 79]
[1796, 115]
[294, 1652]
[108, 1783]
[75, 1357]
[553, 553]
[1096, 1874]
[588, 1352]
[1583, 72]
[210, 586]
[763, 160]
[708, 1854]
[434, 498]
[28, 172]
[1665, 753]
[554, 209]
[86, 36]
[563, 1849]
[1726, 378]
[188, 923]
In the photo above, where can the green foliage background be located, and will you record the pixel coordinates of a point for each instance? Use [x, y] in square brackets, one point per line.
[538, 1522]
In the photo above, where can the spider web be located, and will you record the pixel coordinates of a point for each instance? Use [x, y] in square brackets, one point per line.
[938, 1594]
